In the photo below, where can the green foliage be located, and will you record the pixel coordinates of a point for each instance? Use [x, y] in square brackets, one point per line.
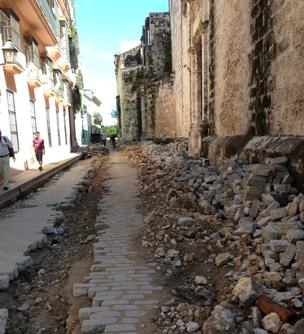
[110, 130]
[114, 113]
[76, 97]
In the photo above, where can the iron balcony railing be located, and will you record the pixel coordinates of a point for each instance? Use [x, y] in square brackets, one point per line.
[50, 17]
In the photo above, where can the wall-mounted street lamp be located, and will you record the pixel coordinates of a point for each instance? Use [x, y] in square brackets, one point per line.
[9, 53]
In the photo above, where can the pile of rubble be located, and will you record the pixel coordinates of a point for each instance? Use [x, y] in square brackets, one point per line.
[229, 238]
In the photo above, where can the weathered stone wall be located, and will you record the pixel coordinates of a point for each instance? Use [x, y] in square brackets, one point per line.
[128, 73]
[130, 118]
[180, 25]
[245, 64]
[177, 61]
[287, 113]
[156, 41]
[165, 111]
[232, 68]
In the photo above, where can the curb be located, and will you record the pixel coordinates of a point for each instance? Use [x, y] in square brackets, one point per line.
[26, 187]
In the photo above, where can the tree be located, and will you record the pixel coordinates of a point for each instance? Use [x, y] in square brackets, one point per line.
[114, 113]
[110, 130]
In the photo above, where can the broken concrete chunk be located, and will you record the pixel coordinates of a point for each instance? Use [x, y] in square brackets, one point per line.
[295, 235]
[288, 256]
[279, 246]
[223, 259]
[277, 214]
[270, 233]
[222, 321]
[272, 323]
[244, 291]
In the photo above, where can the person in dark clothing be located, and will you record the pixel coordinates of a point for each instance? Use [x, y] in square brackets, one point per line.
[113, 141]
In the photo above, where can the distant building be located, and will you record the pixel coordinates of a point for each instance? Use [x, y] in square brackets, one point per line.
[88, 123]
[37, 76]
[145, 100]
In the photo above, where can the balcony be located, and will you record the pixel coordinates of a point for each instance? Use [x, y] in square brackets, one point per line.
[34, 77]
[64, 65]
[54, 52]
[48, 86]
[50, 17]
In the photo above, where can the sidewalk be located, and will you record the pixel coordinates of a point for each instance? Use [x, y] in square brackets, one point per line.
[22, 182]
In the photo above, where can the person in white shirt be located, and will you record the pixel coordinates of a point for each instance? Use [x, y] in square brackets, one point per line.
[5, 148]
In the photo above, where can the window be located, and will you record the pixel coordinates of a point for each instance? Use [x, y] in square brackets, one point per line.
[33, 117]
[9, 24]
[65, 128]
[58, 128]
[48, 123]
[13, 120]
[32, 53]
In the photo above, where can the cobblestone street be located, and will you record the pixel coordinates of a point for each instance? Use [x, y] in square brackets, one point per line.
[120, 283]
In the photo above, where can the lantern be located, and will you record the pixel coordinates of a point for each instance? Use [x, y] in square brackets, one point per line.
[9, 52]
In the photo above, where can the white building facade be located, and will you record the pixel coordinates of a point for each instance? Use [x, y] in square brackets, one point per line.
[36, 84]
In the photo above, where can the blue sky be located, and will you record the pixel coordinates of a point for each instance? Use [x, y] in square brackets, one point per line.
[102, 25]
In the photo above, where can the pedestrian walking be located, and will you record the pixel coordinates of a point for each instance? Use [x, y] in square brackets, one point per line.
[103, 139]
[38, 145]
[6, 151]
[113, 141]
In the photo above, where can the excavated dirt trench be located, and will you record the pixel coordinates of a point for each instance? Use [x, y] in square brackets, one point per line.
[41, 300]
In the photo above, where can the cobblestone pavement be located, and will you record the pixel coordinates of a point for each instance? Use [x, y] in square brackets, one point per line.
[120, 283]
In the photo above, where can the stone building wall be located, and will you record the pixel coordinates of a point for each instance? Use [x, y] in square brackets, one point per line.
[245, 64]
[145, 88]
[128, 71]
[232, 68]
[287, 114]
[165, 111]
[180, 24]
[157, 62]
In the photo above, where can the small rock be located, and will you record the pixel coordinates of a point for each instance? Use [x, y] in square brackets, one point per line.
[244, 291]
[286, 329]
[301, 283]
[187, 221]
[223, 259]
[297, 303]
[23, 307]
[277, 214]
[279, 246]
[192, 327]
[41, 272]
[288, 256]
[272, 323]
[299, 327]
[222, 321]
[295, 235]
[200, 280]
[267, 199]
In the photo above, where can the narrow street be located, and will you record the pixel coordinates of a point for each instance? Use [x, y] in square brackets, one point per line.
[121, 281]
[56, 277]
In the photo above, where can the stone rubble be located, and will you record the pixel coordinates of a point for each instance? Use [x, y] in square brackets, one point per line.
[242, 222]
